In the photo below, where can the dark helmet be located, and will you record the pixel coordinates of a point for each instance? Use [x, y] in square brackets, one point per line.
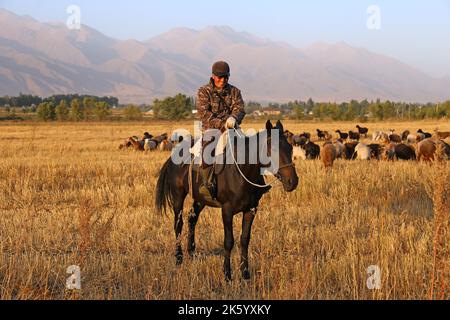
[221, 69]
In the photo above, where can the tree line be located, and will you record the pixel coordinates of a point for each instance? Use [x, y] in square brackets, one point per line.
[82, 107]
[360, 110]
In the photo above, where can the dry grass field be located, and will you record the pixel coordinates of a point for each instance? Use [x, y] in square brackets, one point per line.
[69, 196]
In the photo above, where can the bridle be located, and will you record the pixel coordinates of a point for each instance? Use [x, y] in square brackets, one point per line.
[276, 175]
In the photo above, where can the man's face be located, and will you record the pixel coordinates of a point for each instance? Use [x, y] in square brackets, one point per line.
[220, 82]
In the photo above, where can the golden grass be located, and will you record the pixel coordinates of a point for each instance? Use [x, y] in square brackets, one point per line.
[68, 196]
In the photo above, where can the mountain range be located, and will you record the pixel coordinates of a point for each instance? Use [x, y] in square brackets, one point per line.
[48, 58]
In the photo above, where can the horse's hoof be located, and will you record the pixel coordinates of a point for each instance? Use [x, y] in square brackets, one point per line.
[246, 275]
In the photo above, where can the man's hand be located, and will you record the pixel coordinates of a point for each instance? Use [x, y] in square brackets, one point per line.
[231, 123]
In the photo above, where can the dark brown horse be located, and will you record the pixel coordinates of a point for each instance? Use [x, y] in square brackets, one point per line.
[237, 191]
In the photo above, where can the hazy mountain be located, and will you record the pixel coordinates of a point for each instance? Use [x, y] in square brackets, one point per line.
[45, 59]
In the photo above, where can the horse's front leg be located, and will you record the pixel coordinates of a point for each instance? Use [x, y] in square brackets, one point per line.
[193, 219]
[227, 217]
[247, 221]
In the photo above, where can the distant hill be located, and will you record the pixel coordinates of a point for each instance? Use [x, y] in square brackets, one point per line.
[46, 59]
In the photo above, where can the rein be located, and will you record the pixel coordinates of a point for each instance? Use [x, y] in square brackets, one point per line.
[243, 175]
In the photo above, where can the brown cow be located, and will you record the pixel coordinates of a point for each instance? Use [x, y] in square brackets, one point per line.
[442, 135]
[426, 150]
[328, 154]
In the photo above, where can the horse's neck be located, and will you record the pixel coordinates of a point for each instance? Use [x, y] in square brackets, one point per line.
[247, 167]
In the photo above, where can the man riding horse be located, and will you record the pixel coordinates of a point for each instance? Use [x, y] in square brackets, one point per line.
[221, 107]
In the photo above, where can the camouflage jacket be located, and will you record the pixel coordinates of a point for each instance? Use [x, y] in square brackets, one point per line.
[215, 107]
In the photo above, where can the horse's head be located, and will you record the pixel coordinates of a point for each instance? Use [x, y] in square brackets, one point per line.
[286, 172]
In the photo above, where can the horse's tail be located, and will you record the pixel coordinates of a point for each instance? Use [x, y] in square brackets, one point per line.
[163, 188]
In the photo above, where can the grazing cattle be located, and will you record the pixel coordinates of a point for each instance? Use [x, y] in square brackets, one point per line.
[340, 148]
[389, 151]
[161, 138]
[405, 135]
[289, 136]
[127, 143]
[443, 149]
[375, 151]
[363, 131]
[412, 138]
[342, 135]
[354, 135]
[147, 136]
[299, 140]
[395, 138]
[150, 145]
[405, 152]
[323, 135]
[306, 135]
[328, 154]
[426, 134]
[137, 145]
[165, 145]
[376, 135]
[363, 151]
[420, 137]
[441, 135]
[298, 153]
[312, 150]
[349, 151]
[426, 150]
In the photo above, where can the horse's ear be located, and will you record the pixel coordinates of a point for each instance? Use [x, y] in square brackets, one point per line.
[279, 126]
[269, 126]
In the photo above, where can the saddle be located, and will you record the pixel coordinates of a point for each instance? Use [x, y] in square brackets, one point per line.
[220, 150]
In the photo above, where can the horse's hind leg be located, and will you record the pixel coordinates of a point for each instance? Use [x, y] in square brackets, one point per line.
[178, 226]
[193, 219]
[247, 221]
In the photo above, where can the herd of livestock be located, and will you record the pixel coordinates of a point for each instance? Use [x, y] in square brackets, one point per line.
[148, 143]
[408, 145]
[417, 146]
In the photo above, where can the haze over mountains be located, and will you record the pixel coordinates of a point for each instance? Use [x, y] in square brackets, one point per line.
[48, 58]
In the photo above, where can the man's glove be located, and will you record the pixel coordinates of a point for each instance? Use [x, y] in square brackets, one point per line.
[231, 123]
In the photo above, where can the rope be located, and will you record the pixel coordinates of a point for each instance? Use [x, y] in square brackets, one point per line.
[242, 174]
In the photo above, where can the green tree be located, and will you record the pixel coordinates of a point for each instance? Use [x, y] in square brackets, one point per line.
[173, 108]
[46, 111]
[336, 112]
[132, 112]
[62, 111]
[101, 110]
[76, 111]
[388, 110]
[377, 110]
[89, 104]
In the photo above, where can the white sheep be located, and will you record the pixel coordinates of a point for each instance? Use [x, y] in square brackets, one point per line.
[299, 153]
[363, 151]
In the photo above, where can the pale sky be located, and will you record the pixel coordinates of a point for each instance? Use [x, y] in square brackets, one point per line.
[416, 32]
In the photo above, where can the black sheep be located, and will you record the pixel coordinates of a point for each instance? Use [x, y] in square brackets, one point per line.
[349, 151]
[354, 135]
[405, 152]
[312, 150]
[375, 151]
[342, 135]
[427, 135]
[363, 131]
[321, 134]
